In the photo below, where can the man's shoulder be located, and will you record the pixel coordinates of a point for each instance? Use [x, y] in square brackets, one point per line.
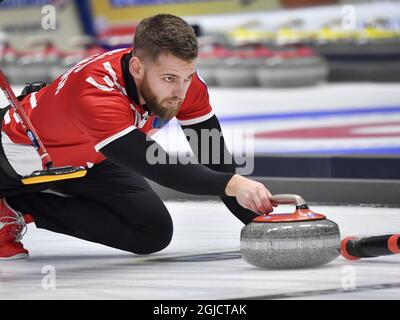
[104, 64]
[102, 71]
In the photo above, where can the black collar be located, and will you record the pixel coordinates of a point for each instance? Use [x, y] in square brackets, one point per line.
[129, 82]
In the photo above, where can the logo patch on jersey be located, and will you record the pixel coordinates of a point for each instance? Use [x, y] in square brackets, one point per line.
[159, 123]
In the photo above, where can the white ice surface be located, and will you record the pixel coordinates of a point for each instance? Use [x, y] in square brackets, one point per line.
[62, 267]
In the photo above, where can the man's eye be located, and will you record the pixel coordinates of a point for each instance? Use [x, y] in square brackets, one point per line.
[169, 79]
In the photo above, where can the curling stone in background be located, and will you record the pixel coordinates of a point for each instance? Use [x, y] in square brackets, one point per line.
[284, 241]
[239, 67]
[211, 55]
[237, 72]
[208, 62]
[293, 68]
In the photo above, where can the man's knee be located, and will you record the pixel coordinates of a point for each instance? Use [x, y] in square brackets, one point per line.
[154, 237]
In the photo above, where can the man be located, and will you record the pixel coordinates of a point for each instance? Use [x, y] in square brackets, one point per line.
[97, 115]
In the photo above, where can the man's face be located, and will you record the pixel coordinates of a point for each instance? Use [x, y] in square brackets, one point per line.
[164, 84]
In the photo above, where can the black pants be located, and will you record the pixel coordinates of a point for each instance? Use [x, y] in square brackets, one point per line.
[109, 205]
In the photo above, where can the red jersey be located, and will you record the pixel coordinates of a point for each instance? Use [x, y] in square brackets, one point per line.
[87, 107]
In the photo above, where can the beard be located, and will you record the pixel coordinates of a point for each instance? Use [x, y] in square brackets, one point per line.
[163, 109]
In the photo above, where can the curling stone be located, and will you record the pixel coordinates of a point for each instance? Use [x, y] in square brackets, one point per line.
[285, 241]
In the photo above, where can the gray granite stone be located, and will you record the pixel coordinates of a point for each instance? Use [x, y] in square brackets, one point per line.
[286, 245]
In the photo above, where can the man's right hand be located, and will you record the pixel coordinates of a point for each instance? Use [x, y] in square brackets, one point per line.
[250, 194]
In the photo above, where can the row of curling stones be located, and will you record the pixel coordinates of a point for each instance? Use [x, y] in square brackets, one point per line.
[292, 240]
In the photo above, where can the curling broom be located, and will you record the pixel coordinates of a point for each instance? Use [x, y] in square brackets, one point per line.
[353, 248]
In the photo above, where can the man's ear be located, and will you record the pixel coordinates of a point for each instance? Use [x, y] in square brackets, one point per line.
[136, 67]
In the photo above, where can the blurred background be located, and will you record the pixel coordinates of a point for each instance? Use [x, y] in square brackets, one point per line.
[244, 43]
[316, 81]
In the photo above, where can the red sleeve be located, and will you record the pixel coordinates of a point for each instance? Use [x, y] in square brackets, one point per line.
[104, 116]
[196, 106]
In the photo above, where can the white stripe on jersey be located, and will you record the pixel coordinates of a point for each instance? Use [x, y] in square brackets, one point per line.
[7, 118]
[33, 100]
[108, 81]
[22, 157]
[98, 85]
[196, 120]
[113, 137]
[110, 70]
[16, 118]
[82, 64]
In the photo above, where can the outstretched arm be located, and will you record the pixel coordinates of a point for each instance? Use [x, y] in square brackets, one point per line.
[131, 151]
[243, 210]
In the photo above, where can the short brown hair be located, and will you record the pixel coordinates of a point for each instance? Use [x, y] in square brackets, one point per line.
[165, 33]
